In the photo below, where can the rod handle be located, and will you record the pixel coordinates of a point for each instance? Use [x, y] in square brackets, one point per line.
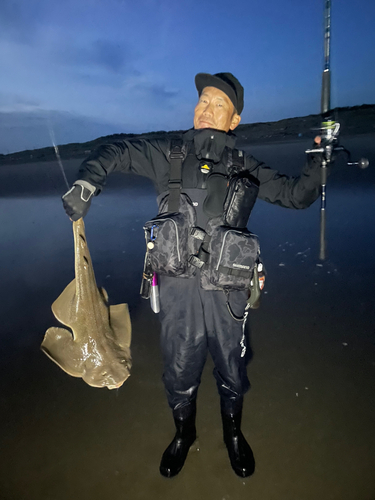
[322, 251]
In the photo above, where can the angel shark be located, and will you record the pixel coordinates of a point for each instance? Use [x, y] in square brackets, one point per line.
[98, 346]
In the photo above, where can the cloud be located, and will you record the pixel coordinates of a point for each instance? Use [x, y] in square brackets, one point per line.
[148, 86]
[161, 92]
[30, 130]
[100, 53]
[109, 55]
[16, 102]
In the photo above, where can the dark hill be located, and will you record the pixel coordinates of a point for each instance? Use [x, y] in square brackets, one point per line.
[354, 120]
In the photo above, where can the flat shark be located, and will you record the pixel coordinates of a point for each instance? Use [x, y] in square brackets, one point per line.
[97, 348]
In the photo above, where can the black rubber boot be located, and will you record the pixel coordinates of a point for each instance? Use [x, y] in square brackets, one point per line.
[174, 457]
[240, 454]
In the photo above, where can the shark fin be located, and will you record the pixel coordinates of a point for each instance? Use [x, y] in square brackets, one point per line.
[120, 323]
[63, 307]
[58, 345]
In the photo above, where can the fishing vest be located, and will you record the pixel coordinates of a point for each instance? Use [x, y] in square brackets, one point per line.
[224, 252]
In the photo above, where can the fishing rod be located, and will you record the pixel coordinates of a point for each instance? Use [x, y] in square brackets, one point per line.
[329, 130]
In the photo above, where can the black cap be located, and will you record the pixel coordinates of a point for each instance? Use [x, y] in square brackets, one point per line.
[225, 82]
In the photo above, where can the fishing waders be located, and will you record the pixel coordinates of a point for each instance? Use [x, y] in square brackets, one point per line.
[174, 457]
[240, 454]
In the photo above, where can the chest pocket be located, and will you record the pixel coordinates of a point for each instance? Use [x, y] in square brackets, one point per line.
[216, 191]
[169, 239]
[233, 254]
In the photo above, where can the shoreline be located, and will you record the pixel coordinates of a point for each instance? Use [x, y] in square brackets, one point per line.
[242, 142]
[354, 121]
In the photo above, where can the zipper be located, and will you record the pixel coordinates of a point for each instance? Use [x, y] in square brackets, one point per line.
[178, 242]
[222, 245]
[222, 248]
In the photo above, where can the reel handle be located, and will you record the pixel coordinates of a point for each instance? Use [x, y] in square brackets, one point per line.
[328, 150]
[362, 163]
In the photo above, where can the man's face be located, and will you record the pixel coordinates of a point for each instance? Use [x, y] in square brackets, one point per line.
[215, 110]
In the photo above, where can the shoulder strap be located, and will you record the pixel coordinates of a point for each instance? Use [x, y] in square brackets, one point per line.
[236, 161]
[176, 156]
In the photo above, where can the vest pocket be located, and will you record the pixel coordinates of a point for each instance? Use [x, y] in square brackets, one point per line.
[166, 239]
[233, 255]
[169, 239]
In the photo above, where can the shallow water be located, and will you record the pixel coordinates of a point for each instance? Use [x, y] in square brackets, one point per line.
[311, 410]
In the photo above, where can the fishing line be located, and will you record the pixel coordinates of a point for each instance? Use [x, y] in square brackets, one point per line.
[57, 153]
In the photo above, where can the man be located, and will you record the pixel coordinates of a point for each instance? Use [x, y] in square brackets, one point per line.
[195, 317]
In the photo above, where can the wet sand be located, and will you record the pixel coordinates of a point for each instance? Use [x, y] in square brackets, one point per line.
[310, 413]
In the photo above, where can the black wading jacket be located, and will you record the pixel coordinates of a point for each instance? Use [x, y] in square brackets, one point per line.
[150, 158]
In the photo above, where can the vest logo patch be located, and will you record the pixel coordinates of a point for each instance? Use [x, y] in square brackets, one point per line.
[240, 266]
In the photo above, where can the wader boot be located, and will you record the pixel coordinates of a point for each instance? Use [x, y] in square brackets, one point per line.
[174, 457]
[240, 454]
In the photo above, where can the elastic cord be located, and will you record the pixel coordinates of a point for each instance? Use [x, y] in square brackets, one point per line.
[236, 318]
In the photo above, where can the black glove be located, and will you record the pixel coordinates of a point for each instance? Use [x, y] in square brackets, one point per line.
[77, 200]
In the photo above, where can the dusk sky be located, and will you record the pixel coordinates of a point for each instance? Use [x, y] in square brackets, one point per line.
[86, 68]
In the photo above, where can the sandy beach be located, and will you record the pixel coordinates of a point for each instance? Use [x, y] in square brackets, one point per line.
[310, 413]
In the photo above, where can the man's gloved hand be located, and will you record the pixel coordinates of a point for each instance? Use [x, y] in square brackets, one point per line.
[77, 200]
